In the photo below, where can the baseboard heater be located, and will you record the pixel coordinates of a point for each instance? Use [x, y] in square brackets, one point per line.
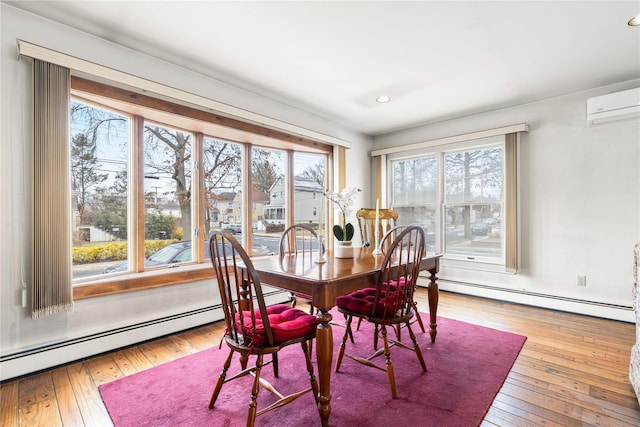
[521, 296]
[36, 359]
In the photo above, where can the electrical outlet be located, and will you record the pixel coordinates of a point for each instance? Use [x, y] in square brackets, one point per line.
[582, 280]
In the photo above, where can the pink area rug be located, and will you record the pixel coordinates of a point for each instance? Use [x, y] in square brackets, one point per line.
[467, 366]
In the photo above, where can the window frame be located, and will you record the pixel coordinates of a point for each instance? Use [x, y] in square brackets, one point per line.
[444, 204]
[167, 112]
[439, 151]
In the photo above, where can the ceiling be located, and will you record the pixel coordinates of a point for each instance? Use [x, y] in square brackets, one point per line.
[436, 60]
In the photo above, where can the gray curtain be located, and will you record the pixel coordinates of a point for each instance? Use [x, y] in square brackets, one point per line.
[52, 280]
[512, 256]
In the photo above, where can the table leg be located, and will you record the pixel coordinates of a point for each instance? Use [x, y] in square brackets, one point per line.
[433, 294]
[324, 354]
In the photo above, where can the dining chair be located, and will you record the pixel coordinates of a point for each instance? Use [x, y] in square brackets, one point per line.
[388, 304]
[302, 240]
[386, 241]
[253, 329]
[366, 223]
[384, 244]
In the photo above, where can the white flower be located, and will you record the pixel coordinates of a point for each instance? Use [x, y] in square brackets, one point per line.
[343, 201]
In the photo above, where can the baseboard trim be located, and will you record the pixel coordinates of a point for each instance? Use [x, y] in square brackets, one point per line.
[553, 302]
[36, 359]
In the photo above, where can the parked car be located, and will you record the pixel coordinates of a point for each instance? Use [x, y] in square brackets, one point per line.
[233, 229]
[480, 229]
[174, 253]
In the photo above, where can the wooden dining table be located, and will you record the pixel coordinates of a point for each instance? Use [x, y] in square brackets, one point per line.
[325, 282]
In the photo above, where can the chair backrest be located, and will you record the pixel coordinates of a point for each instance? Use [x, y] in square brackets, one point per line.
[240, 291]
[399, 273]
[367, 220]
[390, 236]
[299, 239]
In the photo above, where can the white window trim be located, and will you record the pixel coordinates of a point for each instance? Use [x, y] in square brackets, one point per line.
[521, 127]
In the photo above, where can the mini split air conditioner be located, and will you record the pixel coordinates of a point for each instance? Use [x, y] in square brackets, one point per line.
[614, 106]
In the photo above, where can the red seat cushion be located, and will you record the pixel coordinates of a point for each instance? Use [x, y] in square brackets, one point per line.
[287, 323]
[362, 301]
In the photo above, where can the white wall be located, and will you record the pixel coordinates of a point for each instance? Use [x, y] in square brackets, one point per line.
[580, 206]
[19, 334]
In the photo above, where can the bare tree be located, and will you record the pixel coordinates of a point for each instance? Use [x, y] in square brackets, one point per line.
[315, 173]
[84, 164]
[264, 171]
[222, 172]
[168, 153]
[473, 177]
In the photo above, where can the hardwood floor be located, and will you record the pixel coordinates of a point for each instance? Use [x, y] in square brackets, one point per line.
[572, 371]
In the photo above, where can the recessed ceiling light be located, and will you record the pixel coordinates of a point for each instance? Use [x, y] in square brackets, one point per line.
[635, 21]
[383, 99]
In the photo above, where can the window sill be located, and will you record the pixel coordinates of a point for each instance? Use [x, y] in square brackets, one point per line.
[140, 281]
[477, 263]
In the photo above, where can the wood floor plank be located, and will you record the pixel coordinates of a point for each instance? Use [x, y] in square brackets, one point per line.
[578, 378]
[562, 357]
[9, 407]
[500, 415]
[627, 414]
[103, 369]
[157, 352]
[137, 358]
[538, 370]
[593, 418]
[126, 366]
[178, 346]
[611, 395]
[202, 339]
[88, 398]
[38, 405]
[67, 404]
[540, 404]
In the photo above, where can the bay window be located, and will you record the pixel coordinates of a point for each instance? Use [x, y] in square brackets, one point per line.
[149, 187]
[153, 166]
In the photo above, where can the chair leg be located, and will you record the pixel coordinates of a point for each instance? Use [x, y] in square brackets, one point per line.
[255, 389]
[415, 307]
[312, 378]
[244, 360]
[387, 354]
[221, 378]
[333, 322]
[343, 344]
[416, 347]
[375, 336]
[275, 364]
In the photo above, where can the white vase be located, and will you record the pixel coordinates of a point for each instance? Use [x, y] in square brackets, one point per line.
[343, 249]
